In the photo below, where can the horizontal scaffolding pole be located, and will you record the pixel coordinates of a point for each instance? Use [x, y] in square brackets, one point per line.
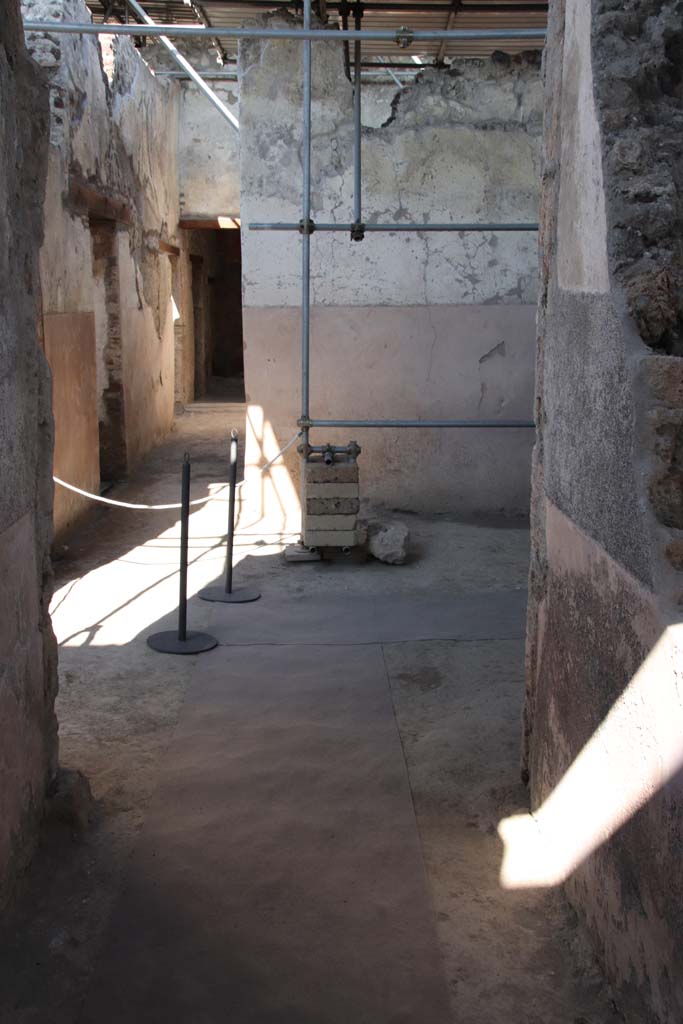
[395, 227]
[456, 424]
[410, 7]
[377, 71]
[403, 37]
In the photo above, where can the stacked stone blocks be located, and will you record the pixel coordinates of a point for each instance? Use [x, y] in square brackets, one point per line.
[331, 504]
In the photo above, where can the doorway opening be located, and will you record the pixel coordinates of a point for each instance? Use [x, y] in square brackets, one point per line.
[217, 314]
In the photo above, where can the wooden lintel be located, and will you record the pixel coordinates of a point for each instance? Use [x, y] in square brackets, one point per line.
[97, 205]
[168, 247]
[199, 222]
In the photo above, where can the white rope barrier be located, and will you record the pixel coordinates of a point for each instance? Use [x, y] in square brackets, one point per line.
[157, 508]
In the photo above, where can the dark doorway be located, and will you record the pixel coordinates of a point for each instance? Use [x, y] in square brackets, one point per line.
[216, 257]
[227, 362]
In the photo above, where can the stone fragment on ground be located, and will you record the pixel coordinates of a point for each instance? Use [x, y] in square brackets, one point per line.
[387, 538]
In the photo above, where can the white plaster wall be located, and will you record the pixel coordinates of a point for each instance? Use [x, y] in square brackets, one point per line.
[208, 152]
[208, 145]
[403, 325]
[440, 362]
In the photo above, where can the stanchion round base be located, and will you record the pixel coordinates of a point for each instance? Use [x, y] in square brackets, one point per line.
[194, 642]
[239, 595]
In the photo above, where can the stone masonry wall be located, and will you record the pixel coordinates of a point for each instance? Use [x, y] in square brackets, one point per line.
[436, 326]
[604, 708]
[28, 733]
[116, 135]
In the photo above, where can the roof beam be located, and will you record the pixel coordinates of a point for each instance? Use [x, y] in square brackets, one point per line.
[456, 5]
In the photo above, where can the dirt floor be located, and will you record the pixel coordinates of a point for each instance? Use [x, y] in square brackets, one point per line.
[506, 955]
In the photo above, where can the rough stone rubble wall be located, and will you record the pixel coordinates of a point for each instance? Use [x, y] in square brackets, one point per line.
[28, 733]
[429, 326]
[117, 134]
[604, 709]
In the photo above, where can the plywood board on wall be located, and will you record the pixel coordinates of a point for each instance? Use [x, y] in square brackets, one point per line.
[70, 351]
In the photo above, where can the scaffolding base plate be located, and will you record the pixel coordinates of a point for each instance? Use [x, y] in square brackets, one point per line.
[194, 642]
[299, 553]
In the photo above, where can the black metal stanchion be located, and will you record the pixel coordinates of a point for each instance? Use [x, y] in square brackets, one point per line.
[226, 593]
[183, 641]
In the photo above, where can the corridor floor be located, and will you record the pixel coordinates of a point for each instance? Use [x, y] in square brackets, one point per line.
[302, 825]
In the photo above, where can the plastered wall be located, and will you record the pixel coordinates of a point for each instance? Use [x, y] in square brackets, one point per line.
[113, 129]
[403, 326]
[604, 709]
[28, 729]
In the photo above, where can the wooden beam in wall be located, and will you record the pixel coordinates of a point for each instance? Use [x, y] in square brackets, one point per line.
[97, 205]
[168, 247]
[199, 222]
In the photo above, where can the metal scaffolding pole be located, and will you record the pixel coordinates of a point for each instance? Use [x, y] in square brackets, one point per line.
[356, 230]
[493, 226]
[182, 61]
[402, 37]
[363, 424]
[375, 74]
[306, 252]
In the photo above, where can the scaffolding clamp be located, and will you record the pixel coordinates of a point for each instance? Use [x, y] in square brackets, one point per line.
[404, 37]
[306, 227]
[357, 232]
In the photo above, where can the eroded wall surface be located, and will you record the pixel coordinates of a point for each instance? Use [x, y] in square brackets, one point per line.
[208, 145]
[113, 136]
[403, 326]
[28, 732]
[604, 709]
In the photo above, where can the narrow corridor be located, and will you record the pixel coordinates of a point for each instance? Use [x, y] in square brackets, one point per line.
[302, 824]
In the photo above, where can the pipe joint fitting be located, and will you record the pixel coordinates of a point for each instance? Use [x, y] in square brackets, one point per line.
[357, 232]
[404, 37]
[353, 450]
[306, 227]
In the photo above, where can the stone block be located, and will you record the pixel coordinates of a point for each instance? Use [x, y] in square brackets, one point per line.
[332, 506]
[331, 490]
[330, 523]
[331, 538]
[338, 472]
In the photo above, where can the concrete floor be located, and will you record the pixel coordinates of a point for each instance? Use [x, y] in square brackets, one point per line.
[403, 916]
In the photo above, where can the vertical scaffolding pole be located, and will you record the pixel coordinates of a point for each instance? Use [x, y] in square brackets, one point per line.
[356, 229]
[306, 254]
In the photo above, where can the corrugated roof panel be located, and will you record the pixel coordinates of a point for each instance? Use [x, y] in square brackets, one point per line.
[473, 14]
